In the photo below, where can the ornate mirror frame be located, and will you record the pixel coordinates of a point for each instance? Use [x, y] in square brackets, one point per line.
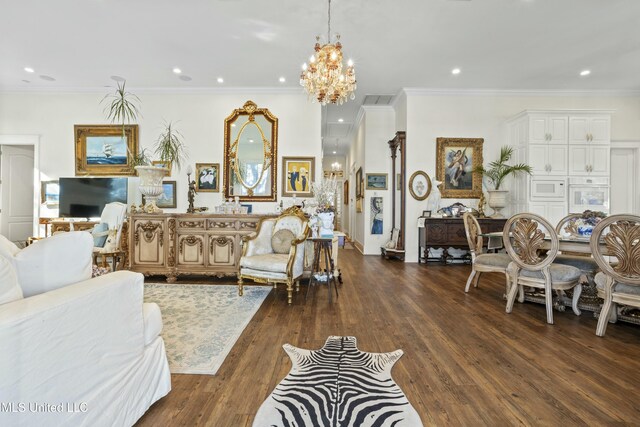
[270, 152]
[397, 147]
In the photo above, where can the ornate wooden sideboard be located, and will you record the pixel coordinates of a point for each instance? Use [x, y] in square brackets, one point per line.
[173, 244]
[449, 233]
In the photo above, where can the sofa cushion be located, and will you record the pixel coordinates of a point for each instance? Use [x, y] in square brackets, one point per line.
[9, 288]
[100, 232]
[152, 321]
[54, 262]
[276, 263]
[281, 241]
[559, 273]
[623, 288]
[7, 247]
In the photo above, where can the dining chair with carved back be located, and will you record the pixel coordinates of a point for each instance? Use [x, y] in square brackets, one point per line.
[482, 262]
[617, 236]
[524, 239]
[586, 264]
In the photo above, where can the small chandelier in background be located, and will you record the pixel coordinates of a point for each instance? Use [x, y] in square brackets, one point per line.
[323, 77]
[336, 166]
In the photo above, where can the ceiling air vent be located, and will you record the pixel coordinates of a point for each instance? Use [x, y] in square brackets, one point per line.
[377, 100]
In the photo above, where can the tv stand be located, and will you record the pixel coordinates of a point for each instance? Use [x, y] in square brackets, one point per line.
[64, 224]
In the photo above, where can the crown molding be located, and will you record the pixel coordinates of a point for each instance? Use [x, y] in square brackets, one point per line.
[156, 90]
[412, 91]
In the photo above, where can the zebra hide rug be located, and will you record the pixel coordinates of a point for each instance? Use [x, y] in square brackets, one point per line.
[338, 386]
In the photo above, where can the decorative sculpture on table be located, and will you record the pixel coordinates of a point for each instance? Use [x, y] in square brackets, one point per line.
[192, 190]
[433, 203]
[324, 193]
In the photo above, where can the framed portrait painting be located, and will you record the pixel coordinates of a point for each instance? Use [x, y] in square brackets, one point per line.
[377, 181]
[298, 172]
[359, 184]
[207, 177]
[420, 185]
[103, 150]
[456, 160]
[168, 197]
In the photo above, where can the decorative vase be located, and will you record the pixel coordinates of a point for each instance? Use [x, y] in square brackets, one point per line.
[151, 185]
[585, 230]
[326, 224]
[497, 201]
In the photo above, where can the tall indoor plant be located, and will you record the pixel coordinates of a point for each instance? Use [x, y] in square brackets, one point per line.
[496, 172]
[170, 147]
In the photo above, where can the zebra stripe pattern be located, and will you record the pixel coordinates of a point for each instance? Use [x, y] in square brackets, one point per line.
[338, 386]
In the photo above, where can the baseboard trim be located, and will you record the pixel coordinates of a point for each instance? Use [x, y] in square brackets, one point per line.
[359, 247]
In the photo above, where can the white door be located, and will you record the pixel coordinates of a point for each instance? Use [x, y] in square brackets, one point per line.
[558, 130]
[538, 159]
[557, 159]
[538, 132]
[578, 160]
[599, 162]
[578, 130]
[599, 130]
[624, 180]
[16, 171]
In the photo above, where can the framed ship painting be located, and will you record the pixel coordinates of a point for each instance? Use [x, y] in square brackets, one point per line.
[104, 150]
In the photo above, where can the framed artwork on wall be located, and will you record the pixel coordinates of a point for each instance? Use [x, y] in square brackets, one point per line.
[208, 177]
[359, 204]
[168, 197]
[50, 193]
[377, 181]
[103, 150]
[298, 172]
[456, 160]
[376, 217]
[162, 164]
[420, 185]
[345, 196]
[359, 184]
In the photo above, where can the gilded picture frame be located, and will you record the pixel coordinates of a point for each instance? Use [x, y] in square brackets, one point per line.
[101, 150]
[162, 164]
[297, 175]
[359, 184]
[346, 192]
[420, 185]
[168, 197]
[456, 160]
[207, 177]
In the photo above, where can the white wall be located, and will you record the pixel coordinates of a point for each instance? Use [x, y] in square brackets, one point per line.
[198, 116]
[356, 160]
[429, 116]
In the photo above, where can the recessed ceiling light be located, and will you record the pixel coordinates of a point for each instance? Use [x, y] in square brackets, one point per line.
[117, 78]
[29, 69]
[334, 152]
[455, 71]
[220, 80]
[177, 70]
[282, 79]
[585, 72]
[340, 120]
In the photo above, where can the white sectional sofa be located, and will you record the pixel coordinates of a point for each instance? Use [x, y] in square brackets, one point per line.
[75, 350]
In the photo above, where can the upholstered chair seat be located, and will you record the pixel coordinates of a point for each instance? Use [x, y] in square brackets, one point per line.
[276, 263]
[494, 260]
[623, 288]
[559, 273]
[585, 264]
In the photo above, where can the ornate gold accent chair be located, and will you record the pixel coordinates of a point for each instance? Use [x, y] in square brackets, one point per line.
[586, 264]
[618, 283]
[480, 262]
[524, 236]
[275, 253]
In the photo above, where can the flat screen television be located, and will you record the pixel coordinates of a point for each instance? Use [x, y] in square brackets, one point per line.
[86, 197]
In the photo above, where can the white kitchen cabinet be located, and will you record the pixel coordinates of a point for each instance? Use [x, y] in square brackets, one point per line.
[590, 129]
[592, 160]
[548, 159]
[551, 211]
[548, 129]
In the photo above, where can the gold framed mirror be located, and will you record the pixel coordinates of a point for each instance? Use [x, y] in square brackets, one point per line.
[250, 153]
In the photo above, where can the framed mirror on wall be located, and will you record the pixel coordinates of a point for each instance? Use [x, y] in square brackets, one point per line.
[250, 153]
[395, 247]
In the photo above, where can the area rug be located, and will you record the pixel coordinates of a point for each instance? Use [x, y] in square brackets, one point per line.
[202, 322]
[338, 386]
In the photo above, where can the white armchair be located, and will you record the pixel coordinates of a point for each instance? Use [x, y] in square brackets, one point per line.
[275, 253]
[89, 345]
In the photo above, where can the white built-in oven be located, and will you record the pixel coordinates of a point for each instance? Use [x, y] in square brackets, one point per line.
[548, 189]
[586, 193]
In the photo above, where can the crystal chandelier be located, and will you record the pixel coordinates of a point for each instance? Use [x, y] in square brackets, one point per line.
[336, 166]
[323, 77]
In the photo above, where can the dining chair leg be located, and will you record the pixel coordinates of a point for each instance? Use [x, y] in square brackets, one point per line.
[470, 279]
[574, 302]
[475, 282]
[511, 297]
[548, 296]
[520, 294]
[603, 320]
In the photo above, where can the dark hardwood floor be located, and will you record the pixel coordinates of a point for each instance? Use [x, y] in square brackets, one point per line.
[466, 362]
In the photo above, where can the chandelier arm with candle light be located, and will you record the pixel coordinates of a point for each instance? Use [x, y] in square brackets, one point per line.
[323, 77]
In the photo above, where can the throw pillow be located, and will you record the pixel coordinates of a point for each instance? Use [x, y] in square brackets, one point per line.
[281, 241]
[110, 245]
[7, 247]
[9, 288]
[100, 232]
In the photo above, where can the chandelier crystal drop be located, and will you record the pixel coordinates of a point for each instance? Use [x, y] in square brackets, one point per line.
[323, 78]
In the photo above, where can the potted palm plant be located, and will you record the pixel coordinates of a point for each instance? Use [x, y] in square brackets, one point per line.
[170, 147]
[496, 172]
